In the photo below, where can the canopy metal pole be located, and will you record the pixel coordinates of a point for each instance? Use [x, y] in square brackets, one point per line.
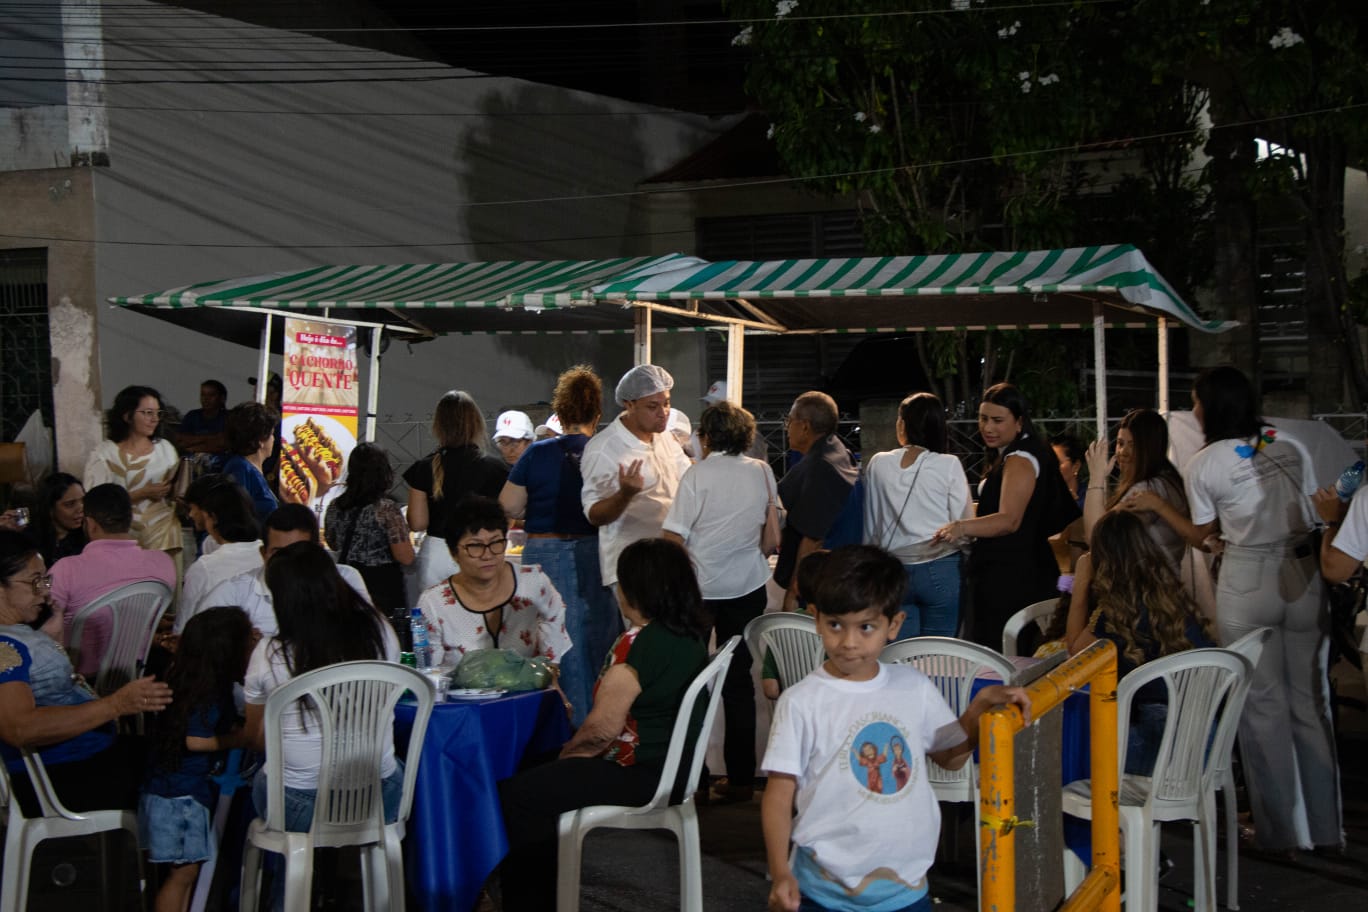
[736, 360]
[641, 324]
[1100, 368]
[264, 359]
[373, 383]
[1163, 367]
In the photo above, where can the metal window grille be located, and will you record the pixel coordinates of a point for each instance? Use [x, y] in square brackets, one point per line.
[25, 345]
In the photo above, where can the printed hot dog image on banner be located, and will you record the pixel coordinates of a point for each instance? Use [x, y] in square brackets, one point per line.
[318, 410]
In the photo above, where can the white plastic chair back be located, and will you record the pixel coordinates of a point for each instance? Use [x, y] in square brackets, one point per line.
[1204, 686]
[23, 834]
[1038, 613]
[792, 639]
[135, 611]
[353, 705]
[681, 819]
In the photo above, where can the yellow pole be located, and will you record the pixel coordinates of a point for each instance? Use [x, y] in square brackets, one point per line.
[1106, 822]
[997, 802]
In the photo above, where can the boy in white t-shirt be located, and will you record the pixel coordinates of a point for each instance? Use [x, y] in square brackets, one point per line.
[848, 749]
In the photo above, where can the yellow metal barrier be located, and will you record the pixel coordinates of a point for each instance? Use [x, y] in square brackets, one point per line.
[1101, 889]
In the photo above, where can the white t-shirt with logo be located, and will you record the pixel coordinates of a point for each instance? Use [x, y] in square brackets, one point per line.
[1260, 494]
[868, 822]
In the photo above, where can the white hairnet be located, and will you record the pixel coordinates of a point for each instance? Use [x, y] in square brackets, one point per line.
[642, 380]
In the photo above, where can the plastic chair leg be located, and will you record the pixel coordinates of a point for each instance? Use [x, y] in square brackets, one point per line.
[375, 887]
[394, 871]
[1074, 871]
[18, 860]
[249, 889]
[568, 848]
[298, 877]
[690, 861]
[1141, 874]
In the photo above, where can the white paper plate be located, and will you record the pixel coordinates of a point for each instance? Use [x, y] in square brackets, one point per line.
[474, 693]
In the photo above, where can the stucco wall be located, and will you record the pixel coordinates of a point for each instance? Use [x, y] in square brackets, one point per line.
[36, 206]
[368, 172]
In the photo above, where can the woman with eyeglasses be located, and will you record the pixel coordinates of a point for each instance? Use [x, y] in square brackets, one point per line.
[490, 603]
[136, 457]
[49, 709]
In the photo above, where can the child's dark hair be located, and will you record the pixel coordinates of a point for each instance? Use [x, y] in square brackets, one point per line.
[210, 659]
[857, 577]
[657, 579]
[809, 575]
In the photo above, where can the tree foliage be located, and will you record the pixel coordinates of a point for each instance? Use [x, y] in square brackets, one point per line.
[964, 125]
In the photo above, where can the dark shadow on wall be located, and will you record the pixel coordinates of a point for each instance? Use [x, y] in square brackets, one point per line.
[575, 162]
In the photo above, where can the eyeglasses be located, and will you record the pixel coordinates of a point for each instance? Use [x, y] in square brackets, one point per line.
[480, 549]
[151, 413]
[41, 584]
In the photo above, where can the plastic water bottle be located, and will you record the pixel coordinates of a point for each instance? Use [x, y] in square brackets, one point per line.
[421, 653]
[1349, 481]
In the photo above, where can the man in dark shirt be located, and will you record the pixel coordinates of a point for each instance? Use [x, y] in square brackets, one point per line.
[814, 492]
[201, 430]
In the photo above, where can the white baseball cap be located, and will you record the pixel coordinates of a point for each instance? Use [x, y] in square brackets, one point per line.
[553, 424]
[716, 393]
[514, 426]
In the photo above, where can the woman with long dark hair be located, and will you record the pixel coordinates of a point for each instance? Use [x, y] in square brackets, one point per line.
[1251, 485]
[322, 622]
[58, 524]
[136, 457]
[49, 709]
[368, 531]
[544, 491]
[1022, 502]
[1142, 458]
[909, 494]
[460, 466]
[618, 754]
[1127, 591]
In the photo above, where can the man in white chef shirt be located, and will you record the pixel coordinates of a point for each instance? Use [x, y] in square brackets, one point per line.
[631, 469]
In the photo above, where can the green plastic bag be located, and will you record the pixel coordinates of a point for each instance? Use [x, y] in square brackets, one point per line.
[501, 669]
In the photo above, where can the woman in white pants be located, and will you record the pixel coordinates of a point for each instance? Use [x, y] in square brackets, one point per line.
[1251, 485]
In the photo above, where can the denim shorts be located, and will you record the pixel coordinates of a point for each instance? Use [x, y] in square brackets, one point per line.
[175, 830]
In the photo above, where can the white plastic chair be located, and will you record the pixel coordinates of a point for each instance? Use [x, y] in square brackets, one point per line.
[1251, 646]
[1037, 612]
[952, 665]
[135, 611]
[680, 819]
[792, 638]
[23, 834]
[1206, 691]
[355, 708]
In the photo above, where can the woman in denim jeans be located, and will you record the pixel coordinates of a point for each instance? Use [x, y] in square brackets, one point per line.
[322, 622]
[909, 494]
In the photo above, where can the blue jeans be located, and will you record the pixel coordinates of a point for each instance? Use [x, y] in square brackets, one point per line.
[932, 598]
[921, 905]
[592, 619]
[299, 803]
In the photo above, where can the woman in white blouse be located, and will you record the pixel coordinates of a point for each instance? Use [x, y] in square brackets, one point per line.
[909, 494]
[136, 457]
[490, 603]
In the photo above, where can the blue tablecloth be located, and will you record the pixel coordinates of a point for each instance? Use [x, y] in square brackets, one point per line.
[455, 833]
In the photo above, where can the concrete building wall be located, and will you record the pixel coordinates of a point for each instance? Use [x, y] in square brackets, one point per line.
[240, 176]
[35, 207]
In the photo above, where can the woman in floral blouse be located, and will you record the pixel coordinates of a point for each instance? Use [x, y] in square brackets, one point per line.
[490, 603]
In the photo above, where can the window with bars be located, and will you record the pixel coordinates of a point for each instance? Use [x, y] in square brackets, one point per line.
[25, 346]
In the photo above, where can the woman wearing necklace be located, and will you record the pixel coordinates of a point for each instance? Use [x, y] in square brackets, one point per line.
[489, 603]
[135, 457]
[47, 708]
[909, 494]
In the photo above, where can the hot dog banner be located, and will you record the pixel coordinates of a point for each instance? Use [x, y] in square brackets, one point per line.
[319, 403]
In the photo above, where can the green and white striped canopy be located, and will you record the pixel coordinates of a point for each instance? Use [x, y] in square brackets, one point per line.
[1029, 289]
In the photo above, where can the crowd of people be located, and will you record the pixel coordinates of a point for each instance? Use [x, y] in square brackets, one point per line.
[646, 536]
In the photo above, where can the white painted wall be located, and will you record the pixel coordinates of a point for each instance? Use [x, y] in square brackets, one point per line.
[209, 181]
